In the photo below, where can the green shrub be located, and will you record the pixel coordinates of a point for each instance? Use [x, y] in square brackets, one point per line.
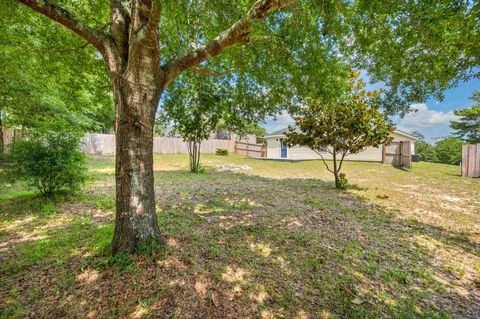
[342, 181]
[49, 163]
[221, 152]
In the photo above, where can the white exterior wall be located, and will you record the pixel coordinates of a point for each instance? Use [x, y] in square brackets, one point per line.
[371, 154]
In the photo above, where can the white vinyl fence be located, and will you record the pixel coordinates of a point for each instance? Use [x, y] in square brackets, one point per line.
[104, 144]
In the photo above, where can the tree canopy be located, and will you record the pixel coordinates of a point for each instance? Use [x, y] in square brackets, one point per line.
[408, 45]
[50, 80]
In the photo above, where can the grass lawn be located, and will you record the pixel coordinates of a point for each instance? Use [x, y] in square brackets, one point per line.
[274, 241]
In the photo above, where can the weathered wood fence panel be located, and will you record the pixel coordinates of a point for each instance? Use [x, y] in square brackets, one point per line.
[250, 150]
[104, 144]
[9, 136]
[175, 145]
[471, 160]
[399, 154]
[99, 144]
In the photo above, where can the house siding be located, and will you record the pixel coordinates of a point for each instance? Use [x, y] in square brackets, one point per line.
[371, 154]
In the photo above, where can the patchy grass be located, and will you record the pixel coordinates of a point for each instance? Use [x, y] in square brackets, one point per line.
[274, 241]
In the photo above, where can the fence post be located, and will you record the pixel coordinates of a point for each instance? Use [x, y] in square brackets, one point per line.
[383, 153]
[464, 167]
[401, 154]
[476, 169]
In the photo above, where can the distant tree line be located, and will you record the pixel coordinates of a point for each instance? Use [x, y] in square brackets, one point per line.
[447, 150]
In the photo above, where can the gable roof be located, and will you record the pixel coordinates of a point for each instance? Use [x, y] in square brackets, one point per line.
[277, 133]
[280, 133]
[405, 134]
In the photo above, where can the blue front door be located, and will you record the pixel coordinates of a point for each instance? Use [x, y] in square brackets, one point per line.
[283, 149]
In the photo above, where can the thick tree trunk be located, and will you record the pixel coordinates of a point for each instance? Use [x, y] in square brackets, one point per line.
[136, 220]
[2, 142]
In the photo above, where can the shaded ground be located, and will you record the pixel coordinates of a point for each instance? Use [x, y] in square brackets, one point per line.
[273, 241]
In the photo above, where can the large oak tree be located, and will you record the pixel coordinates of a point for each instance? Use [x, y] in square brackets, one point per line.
[147, 44]
[131, 48]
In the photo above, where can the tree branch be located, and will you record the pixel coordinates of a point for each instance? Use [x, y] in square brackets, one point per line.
[146, 17]
[237, 33]
[345, 153]
[62, 16]
[155, 15]
[324, 162]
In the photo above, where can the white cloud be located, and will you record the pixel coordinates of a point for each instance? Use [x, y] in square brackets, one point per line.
[423, 118]
[282, 121]
[430, 122]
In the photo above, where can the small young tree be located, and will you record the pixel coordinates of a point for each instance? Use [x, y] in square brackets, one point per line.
[194, 108]
[196, 105]
[346, 125]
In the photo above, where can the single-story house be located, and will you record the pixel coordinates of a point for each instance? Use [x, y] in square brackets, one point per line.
[278, 149]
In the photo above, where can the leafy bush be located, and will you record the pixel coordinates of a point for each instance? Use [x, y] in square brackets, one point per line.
[49, 163]
[221, 152]
[342, 181]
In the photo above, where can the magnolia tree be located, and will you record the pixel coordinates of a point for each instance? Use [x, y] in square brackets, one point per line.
[147, 44]
[342, 126]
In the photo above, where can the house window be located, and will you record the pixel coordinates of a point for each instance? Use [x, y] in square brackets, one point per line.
[223, 134]
[323, 149]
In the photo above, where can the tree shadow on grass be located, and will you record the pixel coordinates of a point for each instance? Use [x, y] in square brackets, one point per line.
[246, 246]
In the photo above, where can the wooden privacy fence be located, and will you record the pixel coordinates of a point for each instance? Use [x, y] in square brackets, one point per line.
[98, 144]
[9, 136]
[399, 154]
[104, 144]
[250, 150]
[471, 160]
[175, 145]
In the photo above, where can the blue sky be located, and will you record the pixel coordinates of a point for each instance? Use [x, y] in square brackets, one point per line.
[431, 119]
